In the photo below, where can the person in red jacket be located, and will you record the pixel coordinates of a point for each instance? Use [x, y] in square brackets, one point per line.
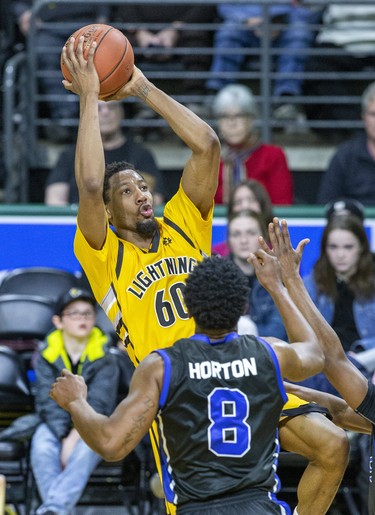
[244, 156]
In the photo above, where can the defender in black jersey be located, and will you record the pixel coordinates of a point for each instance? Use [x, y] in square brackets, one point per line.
[357, 411]
[217, 397]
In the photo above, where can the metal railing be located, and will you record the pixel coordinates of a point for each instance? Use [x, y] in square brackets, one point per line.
[25, 113]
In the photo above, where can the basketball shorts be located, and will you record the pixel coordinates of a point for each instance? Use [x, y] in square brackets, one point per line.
[247, 502]
[296, 406]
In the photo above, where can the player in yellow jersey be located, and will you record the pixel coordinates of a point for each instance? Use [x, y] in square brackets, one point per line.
[137, 270]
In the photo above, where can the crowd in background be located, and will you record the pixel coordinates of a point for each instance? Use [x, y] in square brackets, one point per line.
[254, 174]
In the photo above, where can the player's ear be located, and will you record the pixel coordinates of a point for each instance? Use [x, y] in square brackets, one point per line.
[108, 213]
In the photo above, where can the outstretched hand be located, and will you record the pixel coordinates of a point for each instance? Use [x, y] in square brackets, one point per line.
[267, 268]
[131, 88]
[68, 388]
[83, 73]
[288, 257]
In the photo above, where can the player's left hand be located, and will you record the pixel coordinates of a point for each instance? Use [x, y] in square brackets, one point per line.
[134, 87]
[289, 258]
[67, 388]
[267, 269]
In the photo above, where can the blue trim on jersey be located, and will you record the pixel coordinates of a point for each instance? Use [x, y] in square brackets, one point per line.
[277, 366]
[205, 338]
[166, 378]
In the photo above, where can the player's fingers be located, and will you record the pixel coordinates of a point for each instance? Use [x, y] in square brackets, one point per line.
[90, 55]
[272, 235]
[67, 85]
[263, 245]
[69, 51]
[252, 259]
[301, 246]
[79, 49]
[65, 372]
[277, 230]
[285, 233]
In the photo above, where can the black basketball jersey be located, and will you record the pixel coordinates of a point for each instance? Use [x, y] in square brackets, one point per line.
[219, 411]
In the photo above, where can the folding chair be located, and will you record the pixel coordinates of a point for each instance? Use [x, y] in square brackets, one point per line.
[126, 482]
[15, 400]
[43, 281]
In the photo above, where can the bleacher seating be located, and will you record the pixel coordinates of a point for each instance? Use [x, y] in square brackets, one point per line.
[28, 159]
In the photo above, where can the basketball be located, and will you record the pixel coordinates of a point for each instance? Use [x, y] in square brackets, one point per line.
[113, 58]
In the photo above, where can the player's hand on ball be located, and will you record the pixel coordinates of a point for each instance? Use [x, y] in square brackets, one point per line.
[82, 71]
[130, 88]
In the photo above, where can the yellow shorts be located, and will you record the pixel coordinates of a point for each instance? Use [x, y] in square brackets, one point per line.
[295, 406]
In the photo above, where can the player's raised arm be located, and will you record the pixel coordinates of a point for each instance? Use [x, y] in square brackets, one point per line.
[342, 414]
[200, 175]
[113, 437]
[89, 161]
[341, 372]
[305, 357]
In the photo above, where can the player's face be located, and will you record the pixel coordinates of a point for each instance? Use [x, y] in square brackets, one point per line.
[243, 236]
[235, 126]
[369, 120]
[77, 319]
[130, 206]
[343, 251]
[245, 199]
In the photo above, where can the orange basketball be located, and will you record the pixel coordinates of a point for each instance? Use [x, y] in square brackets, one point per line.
[113, 58]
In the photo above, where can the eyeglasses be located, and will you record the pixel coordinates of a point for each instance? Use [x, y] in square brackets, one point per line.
[77, 315]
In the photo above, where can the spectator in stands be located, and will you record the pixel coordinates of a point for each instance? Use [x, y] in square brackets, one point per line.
[61, 461]
[61, 187]
[347, 40]
[172, 34]
[244, 229]
[342, 286]
[247, 195]
[48, 45]
[344, 207]
[242, 28]
[351, 171]
[243, 154]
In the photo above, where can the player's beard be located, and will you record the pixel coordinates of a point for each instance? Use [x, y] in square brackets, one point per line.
[147, 228]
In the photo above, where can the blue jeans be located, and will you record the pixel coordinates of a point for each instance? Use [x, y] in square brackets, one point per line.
[296, 37]
[60, 489]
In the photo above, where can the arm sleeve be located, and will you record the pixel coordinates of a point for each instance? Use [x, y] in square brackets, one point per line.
[367, 406]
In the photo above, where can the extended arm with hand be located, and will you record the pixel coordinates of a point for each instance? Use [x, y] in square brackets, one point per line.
[200, 175]
[342, 414]
[113, 437]
[304, 357]
[343, 375]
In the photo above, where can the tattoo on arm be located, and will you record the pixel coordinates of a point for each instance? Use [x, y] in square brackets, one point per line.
[138, 422]
[143, 88]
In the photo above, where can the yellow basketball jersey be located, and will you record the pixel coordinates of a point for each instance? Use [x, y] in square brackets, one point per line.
[141, 289]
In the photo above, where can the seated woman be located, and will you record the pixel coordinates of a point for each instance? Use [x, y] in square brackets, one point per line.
[244, 156]
[244, 229]
[342, 286]
[248, 194]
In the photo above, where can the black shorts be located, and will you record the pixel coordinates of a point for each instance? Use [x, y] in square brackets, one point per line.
[247, 502]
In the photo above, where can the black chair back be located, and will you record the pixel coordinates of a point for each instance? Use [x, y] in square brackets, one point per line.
[44, 281]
